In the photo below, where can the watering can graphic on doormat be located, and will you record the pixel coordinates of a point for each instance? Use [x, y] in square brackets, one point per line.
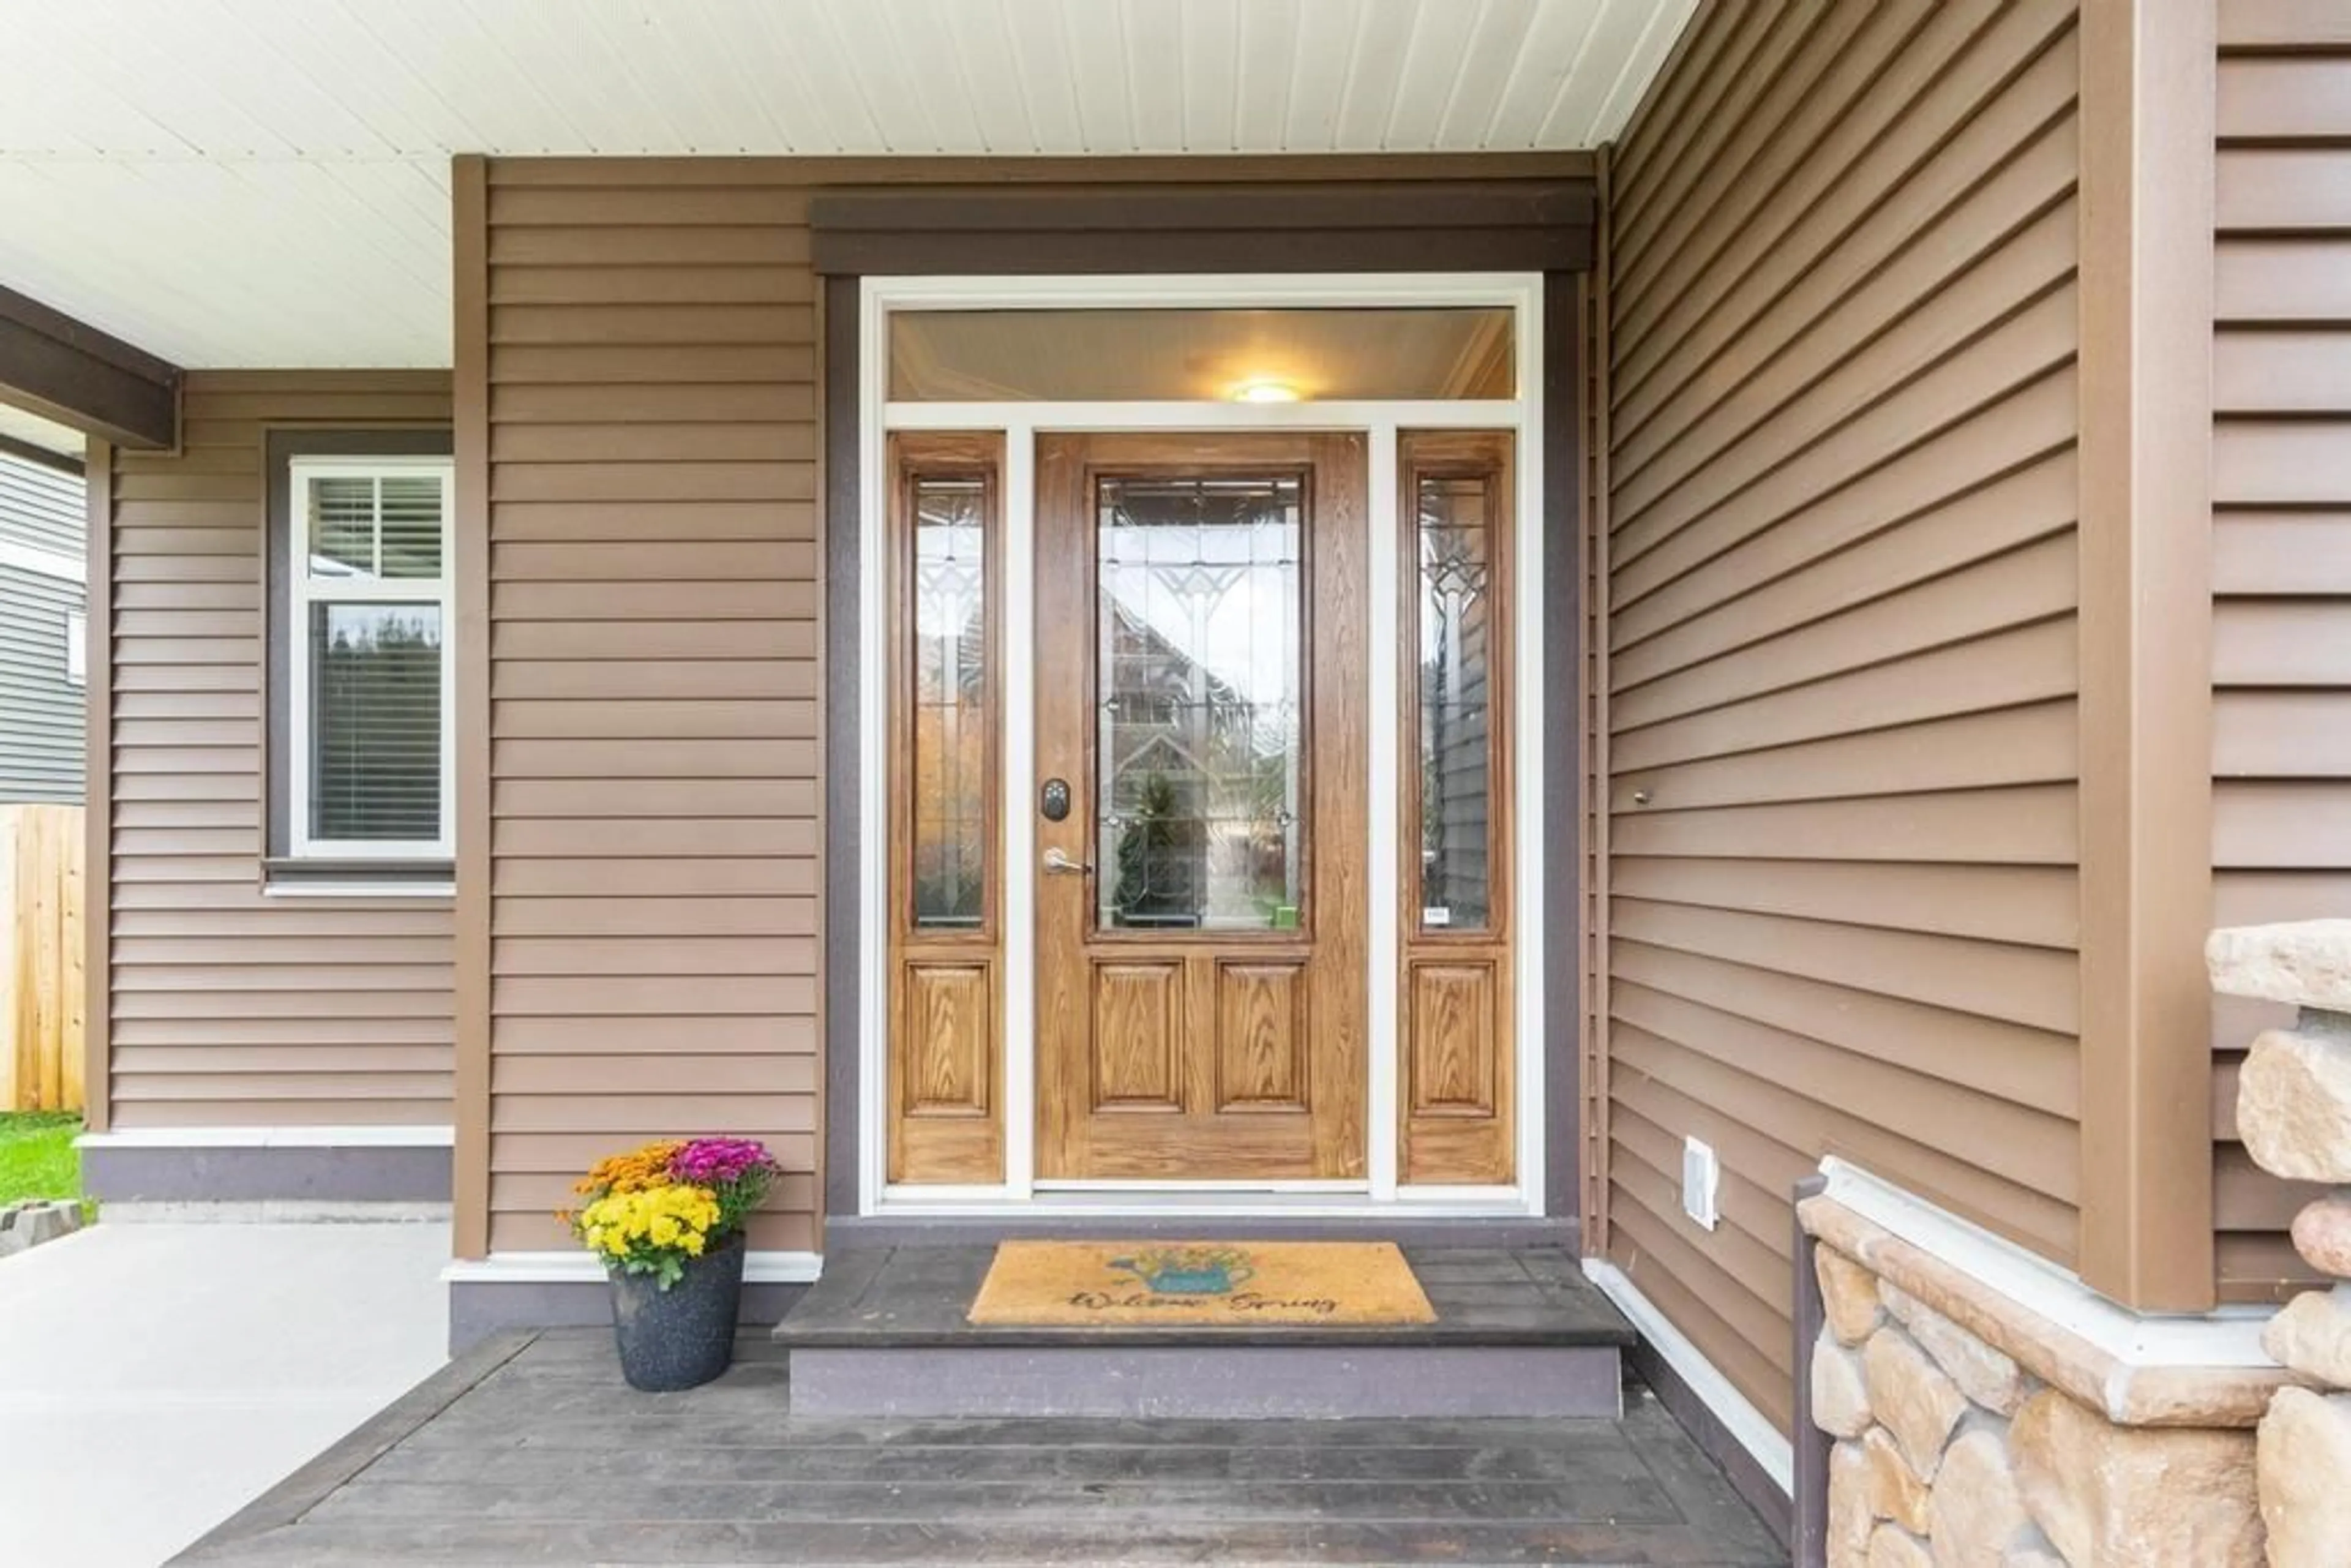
[1189, 1271]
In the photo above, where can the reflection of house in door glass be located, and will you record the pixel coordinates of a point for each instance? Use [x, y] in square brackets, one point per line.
[1199, 750]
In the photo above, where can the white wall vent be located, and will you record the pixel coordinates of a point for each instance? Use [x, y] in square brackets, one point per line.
[1702, 1176]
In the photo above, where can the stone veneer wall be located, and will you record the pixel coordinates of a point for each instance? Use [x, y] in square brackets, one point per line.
[1970, 1431]
[2293, 1112]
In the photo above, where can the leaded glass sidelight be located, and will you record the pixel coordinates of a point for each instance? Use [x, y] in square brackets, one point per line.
[947, 605]
[1454, 611]
[1199, 636]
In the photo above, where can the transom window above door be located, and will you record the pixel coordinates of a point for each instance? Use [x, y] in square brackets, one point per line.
[1444, 352]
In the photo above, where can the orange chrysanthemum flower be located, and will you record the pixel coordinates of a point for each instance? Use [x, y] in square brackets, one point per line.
[639, 1170]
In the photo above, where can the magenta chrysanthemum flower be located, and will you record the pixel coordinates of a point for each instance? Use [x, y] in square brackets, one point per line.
[714, 1162]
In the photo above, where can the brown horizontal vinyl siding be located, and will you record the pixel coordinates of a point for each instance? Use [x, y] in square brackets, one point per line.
[1841, 643]
[2282, 546]
[227, 1007]
[654, 762]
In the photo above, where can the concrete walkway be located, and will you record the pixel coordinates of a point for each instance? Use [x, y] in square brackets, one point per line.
[154, 1378]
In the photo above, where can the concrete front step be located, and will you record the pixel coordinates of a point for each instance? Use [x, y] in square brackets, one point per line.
[1518, 1333]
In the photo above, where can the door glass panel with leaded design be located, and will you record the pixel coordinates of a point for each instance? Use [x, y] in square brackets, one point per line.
[1196, 630]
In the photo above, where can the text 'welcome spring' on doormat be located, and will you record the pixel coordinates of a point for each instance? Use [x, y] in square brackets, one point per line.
[1193, 1284]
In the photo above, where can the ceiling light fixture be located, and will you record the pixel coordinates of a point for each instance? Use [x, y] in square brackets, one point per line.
[1265, 389]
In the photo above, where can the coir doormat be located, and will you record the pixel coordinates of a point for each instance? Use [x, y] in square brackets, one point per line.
[1190, 1284]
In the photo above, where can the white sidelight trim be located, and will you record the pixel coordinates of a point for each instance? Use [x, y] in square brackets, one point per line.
[872, 759]
[1763, 1441]
[580, 1268]
[1382, 869]
[2227, 1336]
[1016, 650]
[1527, 967]
[353, 1137]
[1020, 423]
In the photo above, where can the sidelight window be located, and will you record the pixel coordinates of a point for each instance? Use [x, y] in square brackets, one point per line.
[1454, 505]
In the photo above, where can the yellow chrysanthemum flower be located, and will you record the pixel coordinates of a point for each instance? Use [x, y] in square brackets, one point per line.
[621, 1224]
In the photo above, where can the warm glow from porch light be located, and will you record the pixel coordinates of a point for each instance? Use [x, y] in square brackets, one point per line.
[1265, 389]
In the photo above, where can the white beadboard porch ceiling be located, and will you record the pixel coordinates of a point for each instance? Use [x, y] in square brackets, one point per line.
[265, 182]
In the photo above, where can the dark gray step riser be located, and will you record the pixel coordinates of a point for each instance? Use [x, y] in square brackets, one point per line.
[1203, 1381]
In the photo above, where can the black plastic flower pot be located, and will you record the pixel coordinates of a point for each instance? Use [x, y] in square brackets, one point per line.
[682, 1337]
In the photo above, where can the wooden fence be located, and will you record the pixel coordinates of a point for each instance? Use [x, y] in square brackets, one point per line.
[41, 989]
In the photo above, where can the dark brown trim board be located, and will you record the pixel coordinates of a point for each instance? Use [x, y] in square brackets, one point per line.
[1495, 224]
[1590, 720]
[470, 1087]
[2147, 280]
[97, 791]
[827, 1008]
[840, 920]
[72, 373]
[1561, 608]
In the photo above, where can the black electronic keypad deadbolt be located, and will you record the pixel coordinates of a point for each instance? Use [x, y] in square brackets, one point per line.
[1053, 800]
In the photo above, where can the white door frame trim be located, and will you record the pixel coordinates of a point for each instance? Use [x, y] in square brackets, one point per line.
[1522, 293]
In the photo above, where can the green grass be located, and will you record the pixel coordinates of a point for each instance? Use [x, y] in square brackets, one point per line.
[37, 1159]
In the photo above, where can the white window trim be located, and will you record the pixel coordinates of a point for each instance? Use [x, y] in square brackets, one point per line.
[1380, 421]
[76, 648]
[302, 591]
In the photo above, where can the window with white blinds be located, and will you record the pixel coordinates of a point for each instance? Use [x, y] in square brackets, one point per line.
[369, 672]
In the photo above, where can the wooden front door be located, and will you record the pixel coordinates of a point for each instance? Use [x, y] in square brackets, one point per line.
[1202, 766]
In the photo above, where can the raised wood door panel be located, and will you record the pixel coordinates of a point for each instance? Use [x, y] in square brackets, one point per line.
[1200, 983]
[1458, 1101]
[946, 1052]
[1262, 1035]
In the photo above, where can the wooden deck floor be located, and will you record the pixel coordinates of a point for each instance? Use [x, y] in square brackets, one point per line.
[532, 1450]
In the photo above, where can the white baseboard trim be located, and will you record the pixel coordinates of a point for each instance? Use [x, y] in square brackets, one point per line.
[2228, 1337]
[578, 1268]
[1763, 1441]
[353, 1137]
